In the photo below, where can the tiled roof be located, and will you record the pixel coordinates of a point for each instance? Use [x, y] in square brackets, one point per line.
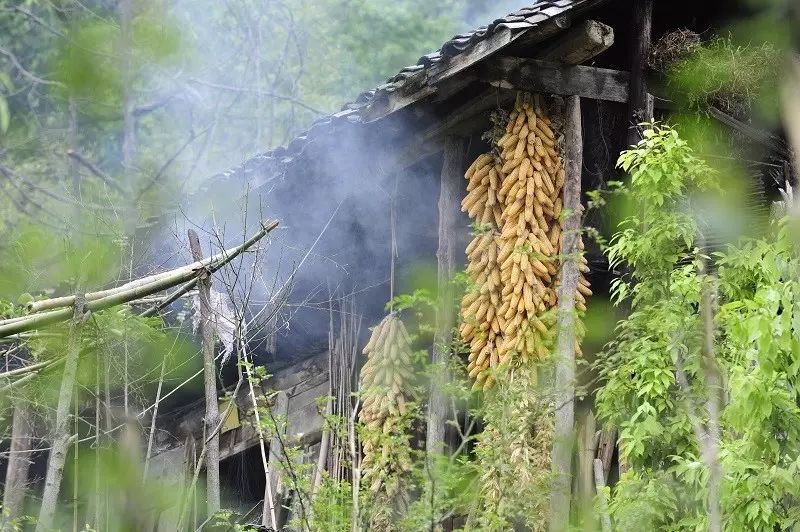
[414, 77]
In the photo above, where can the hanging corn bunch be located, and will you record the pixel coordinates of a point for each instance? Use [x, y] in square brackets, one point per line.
[514, 193]
[386, 390]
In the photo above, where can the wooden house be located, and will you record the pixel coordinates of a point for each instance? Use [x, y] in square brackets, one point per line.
[384, 178]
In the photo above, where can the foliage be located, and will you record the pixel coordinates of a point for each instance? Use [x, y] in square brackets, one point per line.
[419, 300]
[512, 455]
[664, 246]
[736, 78]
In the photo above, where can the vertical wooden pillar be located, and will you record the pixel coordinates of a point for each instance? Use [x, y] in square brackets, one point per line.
[449, 219]
[564, 434]
[639, 103]
[584, 476]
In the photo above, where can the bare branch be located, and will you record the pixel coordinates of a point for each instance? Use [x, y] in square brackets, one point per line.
[95, 170]
[27, 73]
[232, 88]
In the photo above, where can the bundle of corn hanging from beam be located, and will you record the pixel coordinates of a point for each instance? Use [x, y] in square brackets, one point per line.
[386, 389]
[514, 196]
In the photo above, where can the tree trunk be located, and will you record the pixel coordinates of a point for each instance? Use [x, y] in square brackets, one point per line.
[61, 436]
[18, 461]
[210, 378]
[711, 444]
[449, 220]
[565, 345]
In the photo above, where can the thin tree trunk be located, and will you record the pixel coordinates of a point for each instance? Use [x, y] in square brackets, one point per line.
[714, 382]
[268, 517]
[97, 490]
[210, 377]
[61, 437]
[276, 459]
[565, 345]
[356, 471]
[151, 436]
[324, 447]
[18, 461]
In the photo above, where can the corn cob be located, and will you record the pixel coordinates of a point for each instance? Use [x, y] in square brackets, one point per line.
[515, 194]
[386, 392]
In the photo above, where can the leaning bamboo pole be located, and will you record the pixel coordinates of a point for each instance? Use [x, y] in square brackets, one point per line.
[61, 437]
[130, 291]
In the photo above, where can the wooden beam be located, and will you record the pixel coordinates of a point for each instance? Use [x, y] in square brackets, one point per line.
[581, 43]
[455, 150]
[535, 75]
[491, 98]
[640, 107]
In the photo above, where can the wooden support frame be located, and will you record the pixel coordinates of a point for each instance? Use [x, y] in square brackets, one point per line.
[564, 393]
[536, 75]
[455, 150]
[583, 42]
[640, 104]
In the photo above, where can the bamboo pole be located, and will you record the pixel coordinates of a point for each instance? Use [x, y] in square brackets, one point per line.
[151, 436]
[131, 291]
[61, 437]
[213, 497]
[213, 263]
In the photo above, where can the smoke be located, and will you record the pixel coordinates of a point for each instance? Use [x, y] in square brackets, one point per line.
[245, 88]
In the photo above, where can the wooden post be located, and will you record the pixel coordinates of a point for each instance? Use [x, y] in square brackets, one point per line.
[211, 419]
[449, 218]
[605, 448]
[19, 461]
[640, 108]
[600, 482]
[584, 476]
[564, 392]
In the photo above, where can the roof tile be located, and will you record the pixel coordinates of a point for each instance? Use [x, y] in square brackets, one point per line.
[527, 17]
